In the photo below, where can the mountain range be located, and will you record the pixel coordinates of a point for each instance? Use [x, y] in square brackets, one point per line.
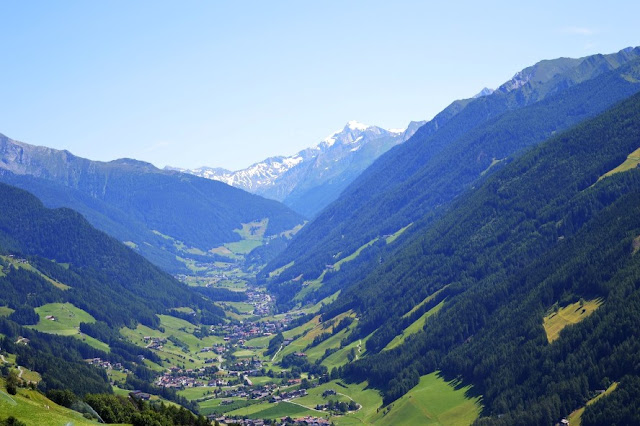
[415, 182]
[309, 180]
[483, 267]
[162, 214]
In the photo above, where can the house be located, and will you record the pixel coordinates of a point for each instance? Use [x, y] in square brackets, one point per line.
[140, 395]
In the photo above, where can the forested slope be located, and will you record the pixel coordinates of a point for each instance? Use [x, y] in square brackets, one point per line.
[134, 201]
[542, 231]
[107, 279]
[416, 182]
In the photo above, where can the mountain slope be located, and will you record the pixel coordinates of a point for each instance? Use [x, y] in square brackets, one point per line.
[139, 203]
[542, 231]
[416, 181]
[106, 278]
[312, 178]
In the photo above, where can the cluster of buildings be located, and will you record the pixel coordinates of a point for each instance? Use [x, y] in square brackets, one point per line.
[190, 378]
[154, 342]
[261, 302]
[285, 396]
[301, 421]
[101, 363]
[248, 330]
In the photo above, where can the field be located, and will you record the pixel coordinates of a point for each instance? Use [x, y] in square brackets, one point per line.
[575, 418]
[266, 410]
[302, 342]
[280, 270]
[5, 311]
[67, 322]
[632, 161]
[415, 327]
[215, 405]
[30, 268]
[432, 402]
[196, 393]
[391, 238]
[170, 353]
[571, 314]
[340, 358]
[353, 255]
[426, 300]
[33, 408]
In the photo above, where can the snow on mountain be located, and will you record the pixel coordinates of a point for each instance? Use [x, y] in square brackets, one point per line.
[484, 92]
[337, 158]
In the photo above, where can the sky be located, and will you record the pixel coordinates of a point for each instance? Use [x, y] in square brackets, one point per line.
[230, 83]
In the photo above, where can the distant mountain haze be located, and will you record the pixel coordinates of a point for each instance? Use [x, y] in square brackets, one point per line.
[314, 177]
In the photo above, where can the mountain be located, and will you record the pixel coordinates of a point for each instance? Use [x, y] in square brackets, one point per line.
[314, 177]
[54, 257]
[416, 182]
[106, 278]
[556, 232]
[157, 212]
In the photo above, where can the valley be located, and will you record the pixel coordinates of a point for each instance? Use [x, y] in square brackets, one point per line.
[479, 268]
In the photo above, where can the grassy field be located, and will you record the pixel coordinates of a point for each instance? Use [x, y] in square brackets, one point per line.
[273, 411]
[391, 238]
[67, 322]
[575, 418]
[196, 393]
[243, 246]
[68, 318]
[368, 398]
[242, 307]
[253, 230]
[415, 327]
[33, 408]
[302, 342]
[426, 300]
[340, 358]
[5, 311]
[571, 314]
[28, 267]
[631, 162]
[353, 255]
[170, 353]
[215, 405]
[280, 270]
[432, 402]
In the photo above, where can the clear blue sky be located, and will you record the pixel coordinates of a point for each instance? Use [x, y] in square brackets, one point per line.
[228, 83]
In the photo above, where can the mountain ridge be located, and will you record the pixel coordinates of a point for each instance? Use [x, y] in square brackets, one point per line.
[135, 201]
[325, 168]
[415, 181]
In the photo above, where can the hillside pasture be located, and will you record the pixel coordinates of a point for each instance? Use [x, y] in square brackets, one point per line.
[554, 322]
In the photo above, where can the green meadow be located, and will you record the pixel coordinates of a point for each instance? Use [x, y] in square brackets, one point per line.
[67, 322]
[432, 402]
[554, 322]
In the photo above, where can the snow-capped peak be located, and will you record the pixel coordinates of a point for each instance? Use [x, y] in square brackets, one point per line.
[355, 125]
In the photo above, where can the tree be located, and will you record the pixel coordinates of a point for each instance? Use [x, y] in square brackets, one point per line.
[12, 382]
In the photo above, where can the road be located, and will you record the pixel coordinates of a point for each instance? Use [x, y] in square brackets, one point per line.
[274, 357]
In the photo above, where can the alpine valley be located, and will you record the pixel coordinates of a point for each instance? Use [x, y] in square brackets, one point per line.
[482, 267]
